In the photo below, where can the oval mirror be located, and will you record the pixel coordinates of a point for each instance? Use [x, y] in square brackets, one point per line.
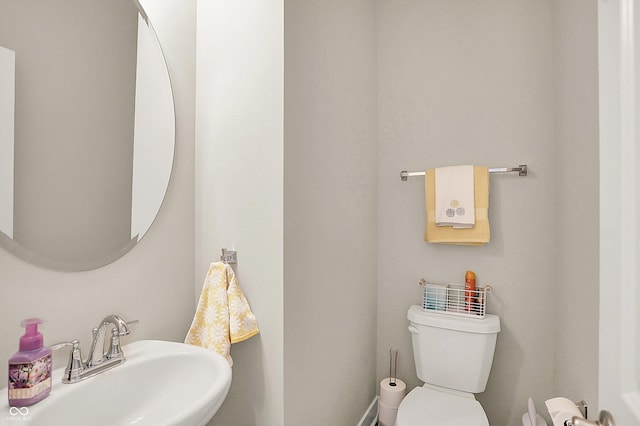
[87, 130]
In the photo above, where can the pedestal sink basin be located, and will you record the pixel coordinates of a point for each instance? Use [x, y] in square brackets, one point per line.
[161, 383]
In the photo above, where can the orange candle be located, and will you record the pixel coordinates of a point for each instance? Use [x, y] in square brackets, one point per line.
[470, 287]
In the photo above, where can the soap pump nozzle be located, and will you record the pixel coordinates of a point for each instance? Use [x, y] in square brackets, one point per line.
[32, 338]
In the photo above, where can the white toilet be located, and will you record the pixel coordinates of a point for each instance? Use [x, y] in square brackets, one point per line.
[453, 356]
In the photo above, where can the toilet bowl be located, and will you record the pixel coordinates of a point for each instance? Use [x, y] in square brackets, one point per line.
[453, 357]
[428, 405]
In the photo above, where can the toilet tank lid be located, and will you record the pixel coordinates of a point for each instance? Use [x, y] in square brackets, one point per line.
[487, 325]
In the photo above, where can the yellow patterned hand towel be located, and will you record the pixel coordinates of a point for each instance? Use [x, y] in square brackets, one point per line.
[480, 234]
[223, 315]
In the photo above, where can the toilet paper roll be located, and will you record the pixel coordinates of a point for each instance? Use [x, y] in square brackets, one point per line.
[562, 409]
[391, 396]
[386, 415]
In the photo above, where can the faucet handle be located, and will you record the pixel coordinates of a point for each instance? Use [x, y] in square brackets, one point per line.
[75, 364]
[114, 346]
[60, 345]
[115, 350]
[133, 325]
[121, 325]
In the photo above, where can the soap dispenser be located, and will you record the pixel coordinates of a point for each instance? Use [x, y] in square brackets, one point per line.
[30, 368]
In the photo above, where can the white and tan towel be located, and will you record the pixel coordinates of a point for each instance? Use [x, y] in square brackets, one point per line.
[480, 234]
[223, 315]
[454, 197]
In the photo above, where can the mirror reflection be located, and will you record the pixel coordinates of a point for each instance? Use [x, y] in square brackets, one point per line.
[87, 130]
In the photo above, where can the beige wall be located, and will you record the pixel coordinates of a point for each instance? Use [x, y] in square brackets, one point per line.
[153, 282]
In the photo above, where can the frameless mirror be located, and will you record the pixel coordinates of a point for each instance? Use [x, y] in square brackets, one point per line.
[87, 130]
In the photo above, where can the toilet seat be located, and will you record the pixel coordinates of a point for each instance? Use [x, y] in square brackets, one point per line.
[425, 406]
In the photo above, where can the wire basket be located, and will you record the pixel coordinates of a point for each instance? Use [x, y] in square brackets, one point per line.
[454, 299]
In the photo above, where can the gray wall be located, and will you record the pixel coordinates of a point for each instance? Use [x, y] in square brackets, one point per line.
[330, 211]
[299, 205]
[495, 83]
[432, 83]
[153, 282]
[239, 187]
[470, 82]
[577, 199]
[489, 82]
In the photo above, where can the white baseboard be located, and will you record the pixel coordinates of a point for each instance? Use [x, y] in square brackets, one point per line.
[370, 417]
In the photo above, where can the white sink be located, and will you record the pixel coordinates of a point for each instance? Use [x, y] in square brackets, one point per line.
[161, 383]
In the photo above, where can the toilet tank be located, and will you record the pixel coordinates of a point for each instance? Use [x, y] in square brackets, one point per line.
[452, 351]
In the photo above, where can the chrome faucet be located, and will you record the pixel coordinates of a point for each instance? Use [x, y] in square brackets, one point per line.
[97, 353]
[99, 359]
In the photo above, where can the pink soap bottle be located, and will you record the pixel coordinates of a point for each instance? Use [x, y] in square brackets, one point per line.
[30, 368]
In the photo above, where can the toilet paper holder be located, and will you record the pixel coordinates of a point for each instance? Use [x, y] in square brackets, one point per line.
[582, 406]
[604, 419]
[564, 411]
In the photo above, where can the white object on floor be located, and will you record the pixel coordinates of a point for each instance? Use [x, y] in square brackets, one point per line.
[530, 418]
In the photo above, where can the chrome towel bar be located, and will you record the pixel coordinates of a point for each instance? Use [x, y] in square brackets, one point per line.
[521, 169]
